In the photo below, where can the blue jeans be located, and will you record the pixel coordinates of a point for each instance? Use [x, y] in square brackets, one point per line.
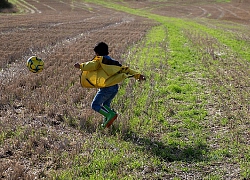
[103, 97]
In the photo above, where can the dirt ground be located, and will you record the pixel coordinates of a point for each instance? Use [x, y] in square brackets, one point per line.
[236, 11]
[45, 23]
[62, 33]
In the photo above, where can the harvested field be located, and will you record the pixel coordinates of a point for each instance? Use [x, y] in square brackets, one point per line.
[236, 11]
[45, 115]
[61, 34]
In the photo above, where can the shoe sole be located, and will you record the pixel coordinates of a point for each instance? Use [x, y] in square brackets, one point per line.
[111, 121]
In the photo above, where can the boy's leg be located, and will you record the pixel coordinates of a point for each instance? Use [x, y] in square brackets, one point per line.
[109, 121]
[106, 105]
[98, 100]
[110, 116]
[114, 91]
[105, 95]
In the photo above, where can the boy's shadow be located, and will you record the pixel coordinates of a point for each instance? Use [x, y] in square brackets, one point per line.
[169, 152]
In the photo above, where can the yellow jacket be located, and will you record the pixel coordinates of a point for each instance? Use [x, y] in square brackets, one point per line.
[103, 71]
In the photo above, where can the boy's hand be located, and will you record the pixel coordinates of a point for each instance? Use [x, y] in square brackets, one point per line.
[77, 65]
[142, 78]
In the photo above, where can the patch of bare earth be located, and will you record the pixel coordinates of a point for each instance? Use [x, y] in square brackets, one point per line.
[235, 11]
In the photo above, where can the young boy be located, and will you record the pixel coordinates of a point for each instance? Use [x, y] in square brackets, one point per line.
[104, 73]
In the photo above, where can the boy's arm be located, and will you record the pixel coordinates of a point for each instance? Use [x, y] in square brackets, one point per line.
[133, 73]
[88, 66]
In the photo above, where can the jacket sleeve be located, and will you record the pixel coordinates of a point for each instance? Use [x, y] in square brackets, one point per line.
[131, 72]
[90, 65]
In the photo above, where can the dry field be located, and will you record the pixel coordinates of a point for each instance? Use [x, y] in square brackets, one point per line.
[62, 33]
[235, 11]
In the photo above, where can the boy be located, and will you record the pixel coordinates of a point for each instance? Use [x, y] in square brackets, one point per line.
[104, 73]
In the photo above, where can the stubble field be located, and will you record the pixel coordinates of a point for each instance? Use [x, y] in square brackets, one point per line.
[48, 130]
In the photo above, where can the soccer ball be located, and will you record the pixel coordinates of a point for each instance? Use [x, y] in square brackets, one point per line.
[35, 64]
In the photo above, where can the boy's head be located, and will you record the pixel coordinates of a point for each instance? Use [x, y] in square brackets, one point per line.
[101, 49]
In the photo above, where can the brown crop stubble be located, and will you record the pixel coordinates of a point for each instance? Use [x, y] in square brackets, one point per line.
[229, 85]
[39, 111]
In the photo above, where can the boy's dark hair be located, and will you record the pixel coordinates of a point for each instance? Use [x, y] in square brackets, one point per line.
[101, 49]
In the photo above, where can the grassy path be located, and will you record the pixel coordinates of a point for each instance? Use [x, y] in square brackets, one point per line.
[188, 120]
[194, 106]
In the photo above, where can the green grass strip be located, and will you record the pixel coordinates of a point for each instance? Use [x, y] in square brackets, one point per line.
[164, 118]
[239, 46]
